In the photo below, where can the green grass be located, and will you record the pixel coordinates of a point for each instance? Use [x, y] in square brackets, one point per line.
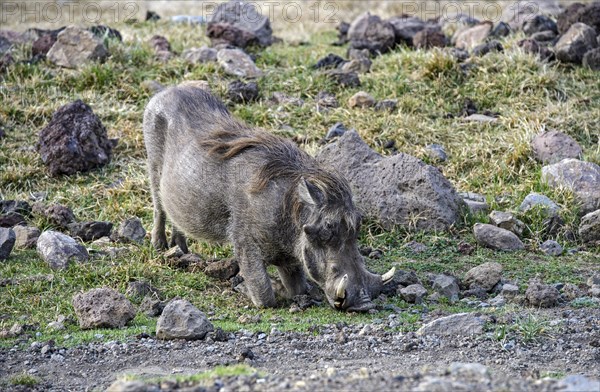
[26, 380]
[494, 159]
[202, 378]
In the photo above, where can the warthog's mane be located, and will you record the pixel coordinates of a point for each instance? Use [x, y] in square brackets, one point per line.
[283, 159]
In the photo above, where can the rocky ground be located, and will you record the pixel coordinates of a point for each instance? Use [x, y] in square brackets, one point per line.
[332, 357]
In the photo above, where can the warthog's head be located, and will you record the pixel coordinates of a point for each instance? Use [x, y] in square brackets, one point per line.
[329, 249]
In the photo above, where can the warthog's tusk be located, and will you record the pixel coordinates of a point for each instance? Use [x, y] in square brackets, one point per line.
[340, 292]
[388, 276]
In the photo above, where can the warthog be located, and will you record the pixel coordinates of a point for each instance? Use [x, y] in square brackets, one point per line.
[219, 180]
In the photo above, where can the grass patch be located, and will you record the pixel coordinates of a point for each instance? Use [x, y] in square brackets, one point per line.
[26, 380]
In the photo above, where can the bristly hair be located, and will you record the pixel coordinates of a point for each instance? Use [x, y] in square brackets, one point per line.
[283, 159]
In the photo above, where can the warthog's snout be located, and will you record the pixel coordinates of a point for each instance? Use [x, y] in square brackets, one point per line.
[359, 299]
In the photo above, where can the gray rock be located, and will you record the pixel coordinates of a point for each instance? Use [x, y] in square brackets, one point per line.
[447, 286]
[501, 29]
[436, 153]
[509, 291]
[482, 118]
[188, 19]
[507, 221]
[571, 291]
[496, 238]
[182, 320]
[541, 295]
[131, 386]
[406, 278]
[139, 289]
[200, 55]
[75, 140]
[283, 99]
[26, 236]
[326, 100]
[336, 130]
[396, 190]
[152, 306]
[477, 207]
[589, 228]
[244, 16]
[581, 178]
[414, 293]
[544, 203]
[472, 196]
[575, 43]
[131, 230]
[362, 65]
[554, 146]
[487, 47]
[551, 248]
[578, 383]
[591, 59]
[405, 28]
[370, 32]
[18, 206]
[75, 47]
[7, 242]
[593, 280]
[472, 372]
[460, 324]
[361, 100]
[498, 301]
[470, 37]
[59, 249]
[102, 308]
[237, 63]
[485, 275]
[386, 105]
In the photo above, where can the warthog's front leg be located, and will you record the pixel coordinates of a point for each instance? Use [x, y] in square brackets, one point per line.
[293, 279]
[256, 279]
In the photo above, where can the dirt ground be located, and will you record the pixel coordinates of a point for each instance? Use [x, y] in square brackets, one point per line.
[335, 357]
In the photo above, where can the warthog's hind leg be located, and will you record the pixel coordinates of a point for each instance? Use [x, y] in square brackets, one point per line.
[159, 237]
[178, 239]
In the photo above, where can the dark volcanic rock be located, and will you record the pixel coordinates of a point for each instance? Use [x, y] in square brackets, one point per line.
[59, 215]
[226, 33]
[541, 295]
[90, 231]
[488, 47]
[370, 32]
[394, 189]
[11, 219]
[42, 45]
[19, 206]
[429, 38]
[405, 28]
[569, 16]
[102, 32]
[102, 308]
[533, 47]
[161, 47]
[74, 141]
[7, 242]
[240, 92]
[539, 23]
[344, 79]
[329, 61]
[131, 230]
[222, 269]
[591, 59]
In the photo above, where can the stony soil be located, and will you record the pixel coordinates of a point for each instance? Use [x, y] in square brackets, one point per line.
[336, 357]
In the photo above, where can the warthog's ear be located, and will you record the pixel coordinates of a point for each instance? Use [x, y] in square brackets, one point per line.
[309, 193]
